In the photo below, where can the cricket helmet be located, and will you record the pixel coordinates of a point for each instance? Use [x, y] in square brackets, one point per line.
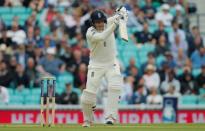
[98, 15]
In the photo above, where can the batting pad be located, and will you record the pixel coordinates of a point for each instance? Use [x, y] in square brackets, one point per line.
[88, 100]
[112, 103]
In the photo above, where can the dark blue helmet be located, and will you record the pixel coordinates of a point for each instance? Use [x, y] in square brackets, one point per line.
[98, 15]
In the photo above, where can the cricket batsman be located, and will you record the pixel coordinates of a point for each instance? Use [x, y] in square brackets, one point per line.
[103, 63]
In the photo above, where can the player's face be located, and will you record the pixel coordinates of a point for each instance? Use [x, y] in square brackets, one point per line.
[99, 25]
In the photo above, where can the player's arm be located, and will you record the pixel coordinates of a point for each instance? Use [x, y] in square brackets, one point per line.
[95, 36]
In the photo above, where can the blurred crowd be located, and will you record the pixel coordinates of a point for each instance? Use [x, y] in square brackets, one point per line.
[26, 53]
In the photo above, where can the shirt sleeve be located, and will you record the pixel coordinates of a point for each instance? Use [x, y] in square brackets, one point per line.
[93, 36]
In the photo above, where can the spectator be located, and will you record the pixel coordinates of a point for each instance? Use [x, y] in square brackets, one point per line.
[170, 60]
[170, 81]
[72, 23]
[80, 77]
[151, 61]
[13, 3]
[30, 36]
[149, 10]
[200, 79]
[133, 18]
[49, 64]
[17, 35]
[64, 51]
[84, 21]
[76, 60]
[138, 96]
[31, 72]
[4, 52]
[21, 79]
[47, 42]
[154, 98]
[198, 58]
[171, 92]
[80, 42]
[159, 32]
[132, 63]
[164, 15]
[194, 40]
[134, 72]
[187, 82]
[151, 78]
[38, 53]
[4, 95]
[177, 33]
[48, 15]
[127, 89]
[177, 45]
[164, 70]
[12, 64]
[5, 74]
[30, 22]
[181, 59]
[162, 46]
[5, 39]
[37, 36]
[181, 18]
[68, 96]
[21, 56]
[30, 50]
[57, 23]
[143, 36]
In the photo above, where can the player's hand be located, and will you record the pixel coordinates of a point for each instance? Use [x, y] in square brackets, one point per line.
[122, 12]
[117, 20]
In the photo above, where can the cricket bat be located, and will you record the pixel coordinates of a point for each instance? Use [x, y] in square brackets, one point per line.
[123, 26]
[123, 30]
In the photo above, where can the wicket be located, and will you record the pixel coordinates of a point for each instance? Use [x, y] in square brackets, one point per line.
[50, 84]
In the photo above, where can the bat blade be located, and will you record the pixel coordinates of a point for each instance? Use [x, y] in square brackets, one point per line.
[123, 30]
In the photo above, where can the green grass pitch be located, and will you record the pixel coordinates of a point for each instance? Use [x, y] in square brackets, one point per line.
[101, 127]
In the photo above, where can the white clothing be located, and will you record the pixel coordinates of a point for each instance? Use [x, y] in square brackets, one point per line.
[4, 95]
[18, 36]
[154, 99]
[166, 84]
[126, 92]
[102, 45]
[151, 81]
[179, 32]
[69, 21]
[104, 64]
[165, 18]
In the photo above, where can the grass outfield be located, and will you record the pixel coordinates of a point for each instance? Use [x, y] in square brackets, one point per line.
[100, 127]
